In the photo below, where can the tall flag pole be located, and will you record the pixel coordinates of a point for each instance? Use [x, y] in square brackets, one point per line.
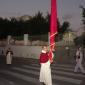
[53, 27]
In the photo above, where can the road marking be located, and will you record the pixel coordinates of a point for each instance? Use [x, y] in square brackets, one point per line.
[35, 81]
[58, 71]
[21, 76]
[56, 77]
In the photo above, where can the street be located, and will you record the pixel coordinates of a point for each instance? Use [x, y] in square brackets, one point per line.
[28, 74]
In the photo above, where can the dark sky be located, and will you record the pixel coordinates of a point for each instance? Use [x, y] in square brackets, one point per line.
[67, 9]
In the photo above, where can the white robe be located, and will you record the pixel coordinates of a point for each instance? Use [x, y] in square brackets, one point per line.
[9, 58]
[45, 73]
[79, 62]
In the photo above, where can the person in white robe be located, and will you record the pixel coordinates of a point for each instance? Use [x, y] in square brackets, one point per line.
[45, 70]
[79, 58]
[9, 55]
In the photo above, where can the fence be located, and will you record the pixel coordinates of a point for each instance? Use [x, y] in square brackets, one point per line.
[36, 40]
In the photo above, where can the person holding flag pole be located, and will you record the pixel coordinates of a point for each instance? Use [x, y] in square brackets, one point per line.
[53, 29]
[45, 70]
[46, 58]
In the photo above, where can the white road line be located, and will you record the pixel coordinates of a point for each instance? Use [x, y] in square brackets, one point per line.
[64, 65]
[23, 77]
[57, 68]
[62, 78]
[70, 80]
[60, 65]
[69, 74]
[58, 71]
[62, 68]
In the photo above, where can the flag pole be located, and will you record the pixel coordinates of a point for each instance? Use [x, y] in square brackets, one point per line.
[53, 27]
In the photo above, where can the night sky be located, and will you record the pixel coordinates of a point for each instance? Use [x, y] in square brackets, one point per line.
[67, 9]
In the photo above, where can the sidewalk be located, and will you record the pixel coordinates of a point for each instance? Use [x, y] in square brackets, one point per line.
[21, 60]
[18, 60]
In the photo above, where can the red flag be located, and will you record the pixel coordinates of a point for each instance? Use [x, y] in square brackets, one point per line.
[53, 26]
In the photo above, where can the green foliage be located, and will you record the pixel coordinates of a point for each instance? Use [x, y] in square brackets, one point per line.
[81, 39]
[36, 25]
[83, 15]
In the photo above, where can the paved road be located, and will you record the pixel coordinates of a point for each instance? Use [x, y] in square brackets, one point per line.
[28, 74]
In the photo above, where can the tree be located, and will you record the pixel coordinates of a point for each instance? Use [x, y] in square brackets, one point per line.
[81, 39]
[36, 25]
[83, 15]
[62, 29]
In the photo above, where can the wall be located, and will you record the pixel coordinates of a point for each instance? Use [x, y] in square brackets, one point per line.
[24, 51]
[61, 53]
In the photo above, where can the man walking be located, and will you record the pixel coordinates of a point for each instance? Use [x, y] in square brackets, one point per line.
[79, 57]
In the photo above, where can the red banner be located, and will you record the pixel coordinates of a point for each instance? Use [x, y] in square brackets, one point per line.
[53, 26]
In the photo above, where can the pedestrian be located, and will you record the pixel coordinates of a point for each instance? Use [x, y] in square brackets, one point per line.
[9, 54]
[45, 70]
[79, 58]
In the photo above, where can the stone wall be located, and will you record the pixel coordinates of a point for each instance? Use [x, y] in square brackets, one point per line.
[23, 51]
